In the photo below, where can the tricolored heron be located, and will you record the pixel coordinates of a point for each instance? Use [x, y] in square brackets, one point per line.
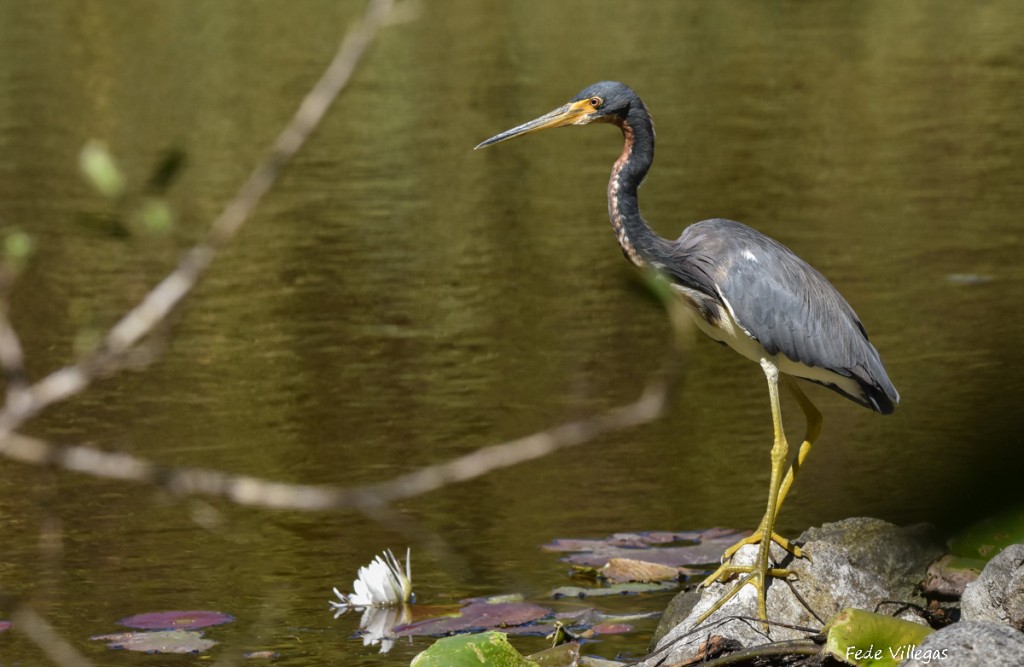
[747, 291]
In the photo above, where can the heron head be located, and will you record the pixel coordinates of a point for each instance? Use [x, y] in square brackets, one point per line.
[605, 101]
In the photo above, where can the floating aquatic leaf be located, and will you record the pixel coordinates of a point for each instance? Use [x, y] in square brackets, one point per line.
[488, 648]
[611, 628]
[698, 547]
[159, 641]
[176, 620]
[590, 616]
[628, 588]
[990, 536]
[476, 616]
[531, 630]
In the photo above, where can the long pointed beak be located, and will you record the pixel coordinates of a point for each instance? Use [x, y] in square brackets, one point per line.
[573, 113]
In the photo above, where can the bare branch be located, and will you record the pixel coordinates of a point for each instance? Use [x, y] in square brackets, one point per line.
[141, 321]
[57, 649]
[12, 361]
[647, 408]
[165, 297]
[253, 491]
[12, 358]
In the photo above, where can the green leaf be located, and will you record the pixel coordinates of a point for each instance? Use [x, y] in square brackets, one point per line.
[18, 246]
[861, 638]
[990, 536]
[100, 170]
[156, 216]
[485, 649]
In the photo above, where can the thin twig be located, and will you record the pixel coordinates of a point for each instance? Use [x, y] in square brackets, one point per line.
[12, 357]
[42, 634]
[166, 295]
[257, 492]
[711, 625]
[245, 490]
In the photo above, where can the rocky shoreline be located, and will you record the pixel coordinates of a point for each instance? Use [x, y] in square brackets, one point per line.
[870, 565]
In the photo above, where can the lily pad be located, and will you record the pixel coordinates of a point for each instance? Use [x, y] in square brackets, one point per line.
[611, 628]
[488, 648]
[666, 548]
[176, 620]
[629, 588]
[864, 639]
[476, 616]
[990, 536]
[160, 641]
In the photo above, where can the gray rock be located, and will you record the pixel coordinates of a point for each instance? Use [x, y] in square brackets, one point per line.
[998, 594]
[970, 644]
[861, 563]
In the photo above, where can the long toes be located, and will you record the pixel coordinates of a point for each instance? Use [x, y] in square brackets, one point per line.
[750, 577]
[787, 545]
[755, 538]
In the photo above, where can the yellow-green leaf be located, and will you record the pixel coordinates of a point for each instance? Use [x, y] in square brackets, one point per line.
[99, 168]
[861, 638]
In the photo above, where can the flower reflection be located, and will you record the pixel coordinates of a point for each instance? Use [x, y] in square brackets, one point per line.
[376, 624]
[381, 590]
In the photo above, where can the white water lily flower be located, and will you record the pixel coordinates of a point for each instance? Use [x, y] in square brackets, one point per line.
[382, 583]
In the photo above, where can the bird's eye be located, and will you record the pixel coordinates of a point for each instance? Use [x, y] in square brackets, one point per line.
[595, 102]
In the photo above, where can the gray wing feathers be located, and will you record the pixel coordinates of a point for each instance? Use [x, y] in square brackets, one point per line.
[785, 304]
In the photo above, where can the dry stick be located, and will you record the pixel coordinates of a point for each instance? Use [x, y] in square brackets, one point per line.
[253, 491]
[43, 635]
[24, 402]
[12, 357]
[372, 499]
[165, 297]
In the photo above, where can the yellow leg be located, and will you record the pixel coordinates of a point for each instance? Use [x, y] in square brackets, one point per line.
[758, 573]
[814, 421]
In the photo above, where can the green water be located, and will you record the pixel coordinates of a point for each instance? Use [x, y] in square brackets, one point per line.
[400, 299]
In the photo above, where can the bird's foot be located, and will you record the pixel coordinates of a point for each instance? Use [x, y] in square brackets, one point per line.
[756, 574]
[755, 538]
